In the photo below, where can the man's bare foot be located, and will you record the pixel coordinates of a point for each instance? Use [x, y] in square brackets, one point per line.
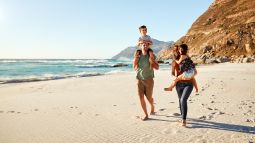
[145, 118]
[168, 89]
[153, 113]
[152, 110]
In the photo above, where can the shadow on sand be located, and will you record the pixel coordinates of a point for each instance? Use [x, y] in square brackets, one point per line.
[196, 123]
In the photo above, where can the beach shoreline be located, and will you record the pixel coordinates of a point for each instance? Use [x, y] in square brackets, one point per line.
[106, 109]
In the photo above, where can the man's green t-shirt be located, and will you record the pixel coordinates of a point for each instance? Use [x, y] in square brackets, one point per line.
[144, 71]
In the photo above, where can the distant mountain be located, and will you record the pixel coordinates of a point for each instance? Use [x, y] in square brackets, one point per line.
[226, 30]
[157, 46]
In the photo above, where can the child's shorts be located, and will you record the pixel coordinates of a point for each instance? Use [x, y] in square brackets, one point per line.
[189, 73]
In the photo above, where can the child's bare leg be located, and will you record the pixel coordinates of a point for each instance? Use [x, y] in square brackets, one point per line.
[170, 88]
[194, 82]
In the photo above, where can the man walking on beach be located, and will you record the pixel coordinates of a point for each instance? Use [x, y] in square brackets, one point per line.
[145, 74]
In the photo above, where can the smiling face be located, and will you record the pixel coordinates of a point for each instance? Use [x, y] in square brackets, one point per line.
[180, 50]
[144, 47]
[143, 31]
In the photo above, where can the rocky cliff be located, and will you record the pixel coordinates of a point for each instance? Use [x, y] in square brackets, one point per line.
[225, 32]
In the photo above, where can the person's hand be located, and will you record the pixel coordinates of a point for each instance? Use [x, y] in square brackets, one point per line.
[151, 55]
[137, 54]
[196, 90]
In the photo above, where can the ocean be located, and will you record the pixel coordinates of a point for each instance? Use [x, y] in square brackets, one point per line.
[28, 70]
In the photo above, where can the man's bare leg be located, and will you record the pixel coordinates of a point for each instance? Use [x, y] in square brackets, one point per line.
[143, 104]
[151, 101]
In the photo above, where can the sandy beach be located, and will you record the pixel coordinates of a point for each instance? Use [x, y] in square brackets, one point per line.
[106, 109]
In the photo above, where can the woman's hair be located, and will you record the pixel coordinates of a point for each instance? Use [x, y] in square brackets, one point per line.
[184, 49]
[176, 54]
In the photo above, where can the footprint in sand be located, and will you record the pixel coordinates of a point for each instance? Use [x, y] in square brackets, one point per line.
[11, 112]
[209, 108]
[201, 141]
[202, 117]
[211, 115]
[136, 117]
[36, 110]
[250, 120]
[146, 138]
[171, 131]
[190, 101]
[171, 102]
[72, 107]
[162, 109]
[176, 114]
[220, 113]
[1, 111]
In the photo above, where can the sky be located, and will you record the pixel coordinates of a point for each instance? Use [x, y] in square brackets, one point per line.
[89, 29]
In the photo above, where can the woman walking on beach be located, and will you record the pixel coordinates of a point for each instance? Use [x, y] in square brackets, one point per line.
[183, 87]
[145, 74]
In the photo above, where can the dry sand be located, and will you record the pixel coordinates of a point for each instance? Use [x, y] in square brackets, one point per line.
[106, 109]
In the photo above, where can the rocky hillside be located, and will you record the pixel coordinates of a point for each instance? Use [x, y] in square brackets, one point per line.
[128, 53]
[225, 32]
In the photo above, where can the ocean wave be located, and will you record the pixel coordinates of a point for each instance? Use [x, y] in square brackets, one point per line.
[93, 66]
[116, 72]
[57, 61]
[44, 77]
[103, 65]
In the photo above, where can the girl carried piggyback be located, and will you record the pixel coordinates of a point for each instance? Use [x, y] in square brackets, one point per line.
[187, 68]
